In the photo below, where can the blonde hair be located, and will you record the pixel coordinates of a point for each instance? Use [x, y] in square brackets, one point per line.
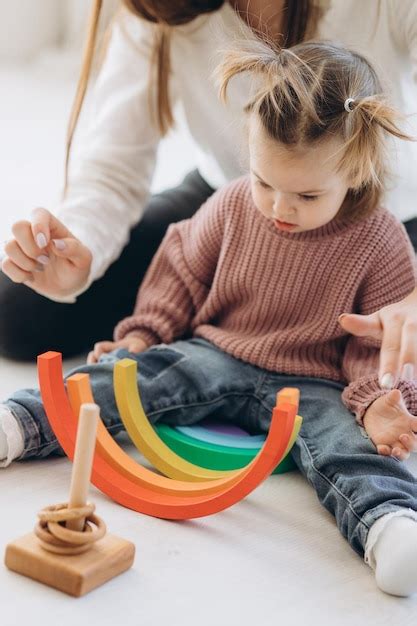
[301, 98]
[86, 65]
[300, 19]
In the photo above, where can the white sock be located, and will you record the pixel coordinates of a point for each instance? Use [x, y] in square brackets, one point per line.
[11, 438]
[3, 444]
[391, 550]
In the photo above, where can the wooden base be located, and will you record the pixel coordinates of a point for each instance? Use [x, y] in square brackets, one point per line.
[75, 575]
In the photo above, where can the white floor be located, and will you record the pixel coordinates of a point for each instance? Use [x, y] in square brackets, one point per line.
[275, 558]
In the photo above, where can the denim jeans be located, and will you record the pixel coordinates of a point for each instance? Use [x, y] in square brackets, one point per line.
[189, 380]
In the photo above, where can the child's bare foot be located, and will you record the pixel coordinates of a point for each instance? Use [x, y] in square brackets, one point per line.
[391, 426]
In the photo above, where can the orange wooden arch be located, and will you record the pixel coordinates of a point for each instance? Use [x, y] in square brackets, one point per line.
[146, 499]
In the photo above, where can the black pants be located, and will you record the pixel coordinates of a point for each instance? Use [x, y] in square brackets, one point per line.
[31, 324]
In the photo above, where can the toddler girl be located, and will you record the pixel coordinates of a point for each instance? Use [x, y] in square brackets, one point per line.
[244, 298]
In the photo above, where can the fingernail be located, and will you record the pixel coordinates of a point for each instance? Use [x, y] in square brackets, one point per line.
[342, 316]
[408, 371]
[43, 259]
[61, 245]
[387, 381]
[41, 240]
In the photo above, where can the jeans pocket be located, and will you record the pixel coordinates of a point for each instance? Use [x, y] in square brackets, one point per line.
[158, 359]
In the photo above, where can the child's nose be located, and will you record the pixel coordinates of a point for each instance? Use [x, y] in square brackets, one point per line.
[281, 207]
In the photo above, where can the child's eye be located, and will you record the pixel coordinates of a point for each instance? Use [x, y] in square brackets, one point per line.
[307, 198]
[263, 185]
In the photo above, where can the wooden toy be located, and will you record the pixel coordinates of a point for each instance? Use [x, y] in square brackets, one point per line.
[213, 432]
[228, 455]
[147, 440]
[79, 391]
[69, 548]
[142, 433]
[214, 448]
[146, 499]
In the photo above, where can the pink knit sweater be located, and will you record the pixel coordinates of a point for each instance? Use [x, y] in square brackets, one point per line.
[272, 298]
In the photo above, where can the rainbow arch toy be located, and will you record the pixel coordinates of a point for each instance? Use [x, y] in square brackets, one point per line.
[214, 450]
[187, 490]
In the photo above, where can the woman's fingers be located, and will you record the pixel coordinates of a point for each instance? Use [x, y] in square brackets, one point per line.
[362, 325]
[396, 325]
[390, 353]
[19, 258]
[22, 232]
[408, 353]
[62, 246]
[40, 227]
[26, 254]
[73, 250]
[44, 226]
[391, 334]
[14, 272]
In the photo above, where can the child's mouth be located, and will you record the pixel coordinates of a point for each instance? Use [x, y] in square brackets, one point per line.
[284, 225]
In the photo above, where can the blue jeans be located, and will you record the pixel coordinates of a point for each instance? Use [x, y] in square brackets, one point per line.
[186, 381]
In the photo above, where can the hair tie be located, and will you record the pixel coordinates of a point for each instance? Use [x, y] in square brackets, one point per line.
[283, 57]
[348, 103]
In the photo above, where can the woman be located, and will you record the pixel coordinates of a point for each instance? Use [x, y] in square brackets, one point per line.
[111, 173]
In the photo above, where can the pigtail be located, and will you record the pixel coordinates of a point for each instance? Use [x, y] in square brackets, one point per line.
[285, 82]
[367, 125]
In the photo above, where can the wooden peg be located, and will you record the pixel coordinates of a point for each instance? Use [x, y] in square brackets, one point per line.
[69, 549]
[83, 461]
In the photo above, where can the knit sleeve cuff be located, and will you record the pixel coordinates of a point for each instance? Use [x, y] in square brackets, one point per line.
[129, 327]
[361, 393]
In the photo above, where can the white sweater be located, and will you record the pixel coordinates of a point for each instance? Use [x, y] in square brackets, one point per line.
[113, 164]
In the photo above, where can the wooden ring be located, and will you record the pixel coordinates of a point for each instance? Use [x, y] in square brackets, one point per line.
[94, 530]
[61, 512]
[55, 537]
[43, 531]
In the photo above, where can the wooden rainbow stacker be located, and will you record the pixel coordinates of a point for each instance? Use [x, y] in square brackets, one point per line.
[69, 548]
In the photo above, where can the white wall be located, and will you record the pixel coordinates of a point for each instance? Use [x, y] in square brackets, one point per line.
[29, 26]
[76, 15]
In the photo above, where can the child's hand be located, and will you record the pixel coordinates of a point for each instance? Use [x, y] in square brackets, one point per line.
[132, 344]
[390, 426]
[45, 256]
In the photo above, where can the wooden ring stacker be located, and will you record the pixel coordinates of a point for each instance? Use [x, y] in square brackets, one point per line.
[56, 538]
[69, 548]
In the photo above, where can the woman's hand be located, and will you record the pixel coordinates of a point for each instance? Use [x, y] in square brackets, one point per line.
[45, 256]
[390, 426]
[132, 344]
[396, 325]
